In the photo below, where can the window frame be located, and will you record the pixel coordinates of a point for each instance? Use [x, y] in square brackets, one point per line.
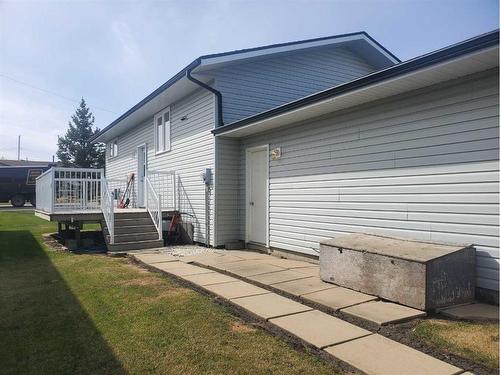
[112, 153]
[167, 128]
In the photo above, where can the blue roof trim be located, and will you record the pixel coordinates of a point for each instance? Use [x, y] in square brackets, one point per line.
[468, 46]
[197, 62]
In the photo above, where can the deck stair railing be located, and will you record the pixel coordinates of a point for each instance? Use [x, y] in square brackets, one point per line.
[107, 208]
[153, 206]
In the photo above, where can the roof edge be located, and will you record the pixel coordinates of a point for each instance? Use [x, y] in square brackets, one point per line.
[198, 61]
[465, 47]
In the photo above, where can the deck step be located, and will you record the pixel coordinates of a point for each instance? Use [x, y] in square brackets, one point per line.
[132, 221]
[131, 215]
[134, 245]
[133, 229]
[134, 237]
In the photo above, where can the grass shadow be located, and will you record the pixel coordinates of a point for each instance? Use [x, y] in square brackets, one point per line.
[43, 327]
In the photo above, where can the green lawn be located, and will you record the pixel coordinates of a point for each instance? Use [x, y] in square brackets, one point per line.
[62, 313]
[475, 341]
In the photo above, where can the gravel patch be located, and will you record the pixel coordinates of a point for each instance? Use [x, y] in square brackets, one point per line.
[179, 250]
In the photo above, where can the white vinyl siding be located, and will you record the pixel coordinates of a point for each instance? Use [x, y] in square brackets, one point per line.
[227, 190]
[256, 86]
[422, 165]
[192, 150]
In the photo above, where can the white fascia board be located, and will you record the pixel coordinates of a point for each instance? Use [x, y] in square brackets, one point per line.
[288, 48]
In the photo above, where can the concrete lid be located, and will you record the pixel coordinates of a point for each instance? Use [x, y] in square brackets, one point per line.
[377, 355]
[418, 251]
[319, 329]
[270, 305]
[381, 312]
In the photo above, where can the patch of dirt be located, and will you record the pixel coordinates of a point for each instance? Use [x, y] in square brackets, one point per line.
[240, 327]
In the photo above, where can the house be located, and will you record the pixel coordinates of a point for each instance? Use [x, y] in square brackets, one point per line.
[286, 145]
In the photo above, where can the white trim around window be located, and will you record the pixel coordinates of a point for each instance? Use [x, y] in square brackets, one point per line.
[113, 148]
[161, 125]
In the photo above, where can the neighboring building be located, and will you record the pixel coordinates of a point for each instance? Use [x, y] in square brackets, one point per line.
[26, 163]
[308, 140]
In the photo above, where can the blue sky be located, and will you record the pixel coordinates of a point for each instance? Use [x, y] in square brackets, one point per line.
[113, 53]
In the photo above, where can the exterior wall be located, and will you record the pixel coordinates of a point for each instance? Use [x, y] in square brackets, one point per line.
[192, 150]
[422, 165]
[227, 190]
[256, 86]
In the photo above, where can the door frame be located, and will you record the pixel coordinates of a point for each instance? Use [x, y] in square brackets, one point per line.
[248, 183]
[139, 147]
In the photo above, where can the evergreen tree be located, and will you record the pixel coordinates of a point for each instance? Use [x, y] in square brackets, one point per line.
[75, 149]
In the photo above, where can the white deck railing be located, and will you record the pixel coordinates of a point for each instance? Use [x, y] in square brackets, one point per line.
[69, 190]
[107, 208]
[164, 185]
[153, 206]
[44, 195]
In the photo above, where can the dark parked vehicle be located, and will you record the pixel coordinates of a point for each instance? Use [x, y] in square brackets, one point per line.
[17, 184]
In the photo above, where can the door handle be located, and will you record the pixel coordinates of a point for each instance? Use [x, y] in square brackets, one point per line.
[251, 203]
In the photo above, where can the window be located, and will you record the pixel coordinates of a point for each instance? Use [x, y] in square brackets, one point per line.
[162, 131]
[113, 148]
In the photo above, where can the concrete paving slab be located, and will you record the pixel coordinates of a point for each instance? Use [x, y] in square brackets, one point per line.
[155, 258]
[213, 261]
[380, 312]
[270, 305]
[277, 277]
[303, 286]
[473, 311]
[338, 298]
[249, 255]
[199, 257]
[377, 355]
[320, 329]
[204, 279]
[235, 289]
[249, 268]
[287, 263]
[181, 269]
[309, 271]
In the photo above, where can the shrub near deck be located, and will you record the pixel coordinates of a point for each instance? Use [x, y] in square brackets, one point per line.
[62, 313]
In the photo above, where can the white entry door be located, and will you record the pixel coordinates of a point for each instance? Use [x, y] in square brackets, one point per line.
[141, 175]
[257, 184]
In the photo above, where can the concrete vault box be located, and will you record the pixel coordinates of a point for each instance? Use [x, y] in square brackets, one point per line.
[422, 275]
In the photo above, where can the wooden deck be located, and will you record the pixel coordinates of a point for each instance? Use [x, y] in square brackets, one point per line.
[88, 215]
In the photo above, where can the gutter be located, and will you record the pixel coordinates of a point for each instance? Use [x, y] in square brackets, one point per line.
[197, 62]
[218, 95]
[469, 46]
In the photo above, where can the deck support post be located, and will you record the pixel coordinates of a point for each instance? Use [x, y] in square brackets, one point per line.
[78, 237]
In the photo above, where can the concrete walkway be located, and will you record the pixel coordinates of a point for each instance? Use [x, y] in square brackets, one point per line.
[257, 275]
